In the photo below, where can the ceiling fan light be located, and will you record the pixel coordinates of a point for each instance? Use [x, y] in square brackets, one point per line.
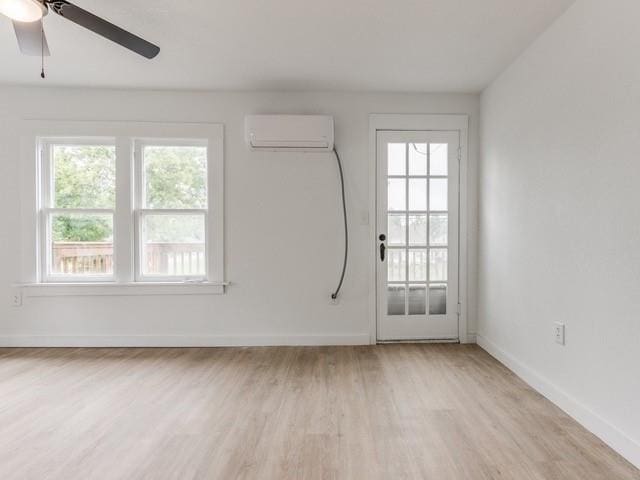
[22, 10]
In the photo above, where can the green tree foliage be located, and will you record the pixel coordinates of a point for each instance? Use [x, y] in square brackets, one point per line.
[174, 229]
[175, 177]
[82, 228]
[84, 177]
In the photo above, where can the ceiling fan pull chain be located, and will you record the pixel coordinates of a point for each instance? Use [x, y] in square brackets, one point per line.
[42, 49]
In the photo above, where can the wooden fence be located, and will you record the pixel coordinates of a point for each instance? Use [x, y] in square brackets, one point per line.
[175, 258]
[97, 258]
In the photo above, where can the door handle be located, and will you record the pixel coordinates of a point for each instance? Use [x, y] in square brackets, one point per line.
[382, 238]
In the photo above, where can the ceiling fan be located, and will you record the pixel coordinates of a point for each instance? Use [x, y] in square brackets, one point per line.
[27, 23]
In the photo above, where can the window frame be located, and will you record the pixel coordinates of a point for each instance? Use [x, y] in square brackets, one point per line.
[47, 209]
[141, 210]
[33, 274]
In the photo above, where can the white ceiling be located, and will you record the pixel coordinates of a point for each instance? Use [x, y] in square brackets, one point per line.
[383, 45]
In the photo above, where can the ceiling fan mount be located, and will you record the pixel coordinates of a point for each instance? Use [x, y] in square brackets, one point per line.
[27, 22]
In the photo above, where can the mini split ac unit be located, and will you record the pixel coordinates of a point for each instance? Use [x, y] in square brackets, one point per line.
[306, 133]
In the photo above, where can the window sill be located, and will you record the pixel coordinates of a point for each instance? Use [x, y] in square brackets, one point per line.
[121, 289]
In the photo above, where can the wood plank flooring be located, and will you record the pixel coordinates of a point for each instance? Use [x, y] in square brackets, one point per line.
[381, 412]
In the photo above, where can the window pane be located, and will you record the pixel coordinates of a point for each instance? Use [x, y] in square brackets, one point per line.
[417, 159]
[173, 245]
[438, 264]
[417, 299]
[438, 160]
[438, 194]
[438, 229]
[437, 300]
[84, 176]
[81, 244]
[396, 159]
[417, 230]
[417, 194]
[396, 194]
[396, 265]
[175, 177]
[395, 299]
[418, 265]
[396, 230]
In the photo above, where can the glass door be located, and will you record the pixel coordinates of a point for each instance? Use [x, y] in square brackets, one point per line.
[417, 235]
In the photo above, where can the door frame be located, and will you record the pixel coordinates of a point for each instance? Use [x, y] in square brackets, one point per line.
[437, 122]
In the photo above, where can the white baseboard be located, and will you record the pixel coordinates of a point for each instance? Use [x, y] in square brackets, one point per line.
[607, 432]
[472, 338]
[179, 340]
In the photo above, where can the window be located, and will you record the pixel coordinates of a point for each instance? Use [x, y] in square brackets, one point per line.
[172, 209]
[78, 195]
[122, 204]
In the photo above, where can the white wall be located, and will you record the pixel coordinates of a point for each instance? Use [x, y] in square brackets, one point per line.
[283, 223]
[559, 226]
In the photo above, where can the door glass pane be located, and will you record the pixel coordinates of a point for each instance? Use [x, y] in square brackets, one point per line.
[395, 299]
[417, 194]
[175, 177]
[396, 198]
[437, 300]
[417, 159]
[396, 265]
[84, 176]
[396, 230]
[417, 299]
[417, 230]
[438, 229]
[438, 194]
[396, 159]
[82, 244]
[438, 264]
[438, 159]
[418, 265]
[173, 245]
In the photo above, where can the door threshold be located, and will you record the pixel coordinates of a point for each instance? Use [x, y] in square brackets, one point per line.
[434, 340]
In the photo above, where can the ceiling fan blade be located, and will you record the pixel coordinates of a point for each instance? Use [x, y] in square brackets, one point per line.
[31, 39]
[102, 27]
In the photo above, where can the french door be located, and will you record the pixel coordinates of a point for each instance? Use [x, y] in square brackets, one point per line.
[417, 235]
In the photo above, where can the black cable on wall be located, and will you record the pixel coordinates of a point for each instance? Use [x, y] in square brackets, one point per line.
[334, 295]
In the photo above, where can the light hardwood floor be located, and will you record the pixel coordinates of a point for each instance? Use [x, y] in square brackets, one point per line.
[394, 412]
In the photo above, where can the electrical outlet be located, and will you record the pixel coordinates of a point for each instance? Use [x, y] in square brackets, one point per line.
[558, 329]
[334, 301]
[16, 297]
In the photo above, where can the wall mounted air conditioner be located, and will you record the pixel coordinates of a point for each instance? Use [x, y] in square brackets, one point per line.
[307, 133]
